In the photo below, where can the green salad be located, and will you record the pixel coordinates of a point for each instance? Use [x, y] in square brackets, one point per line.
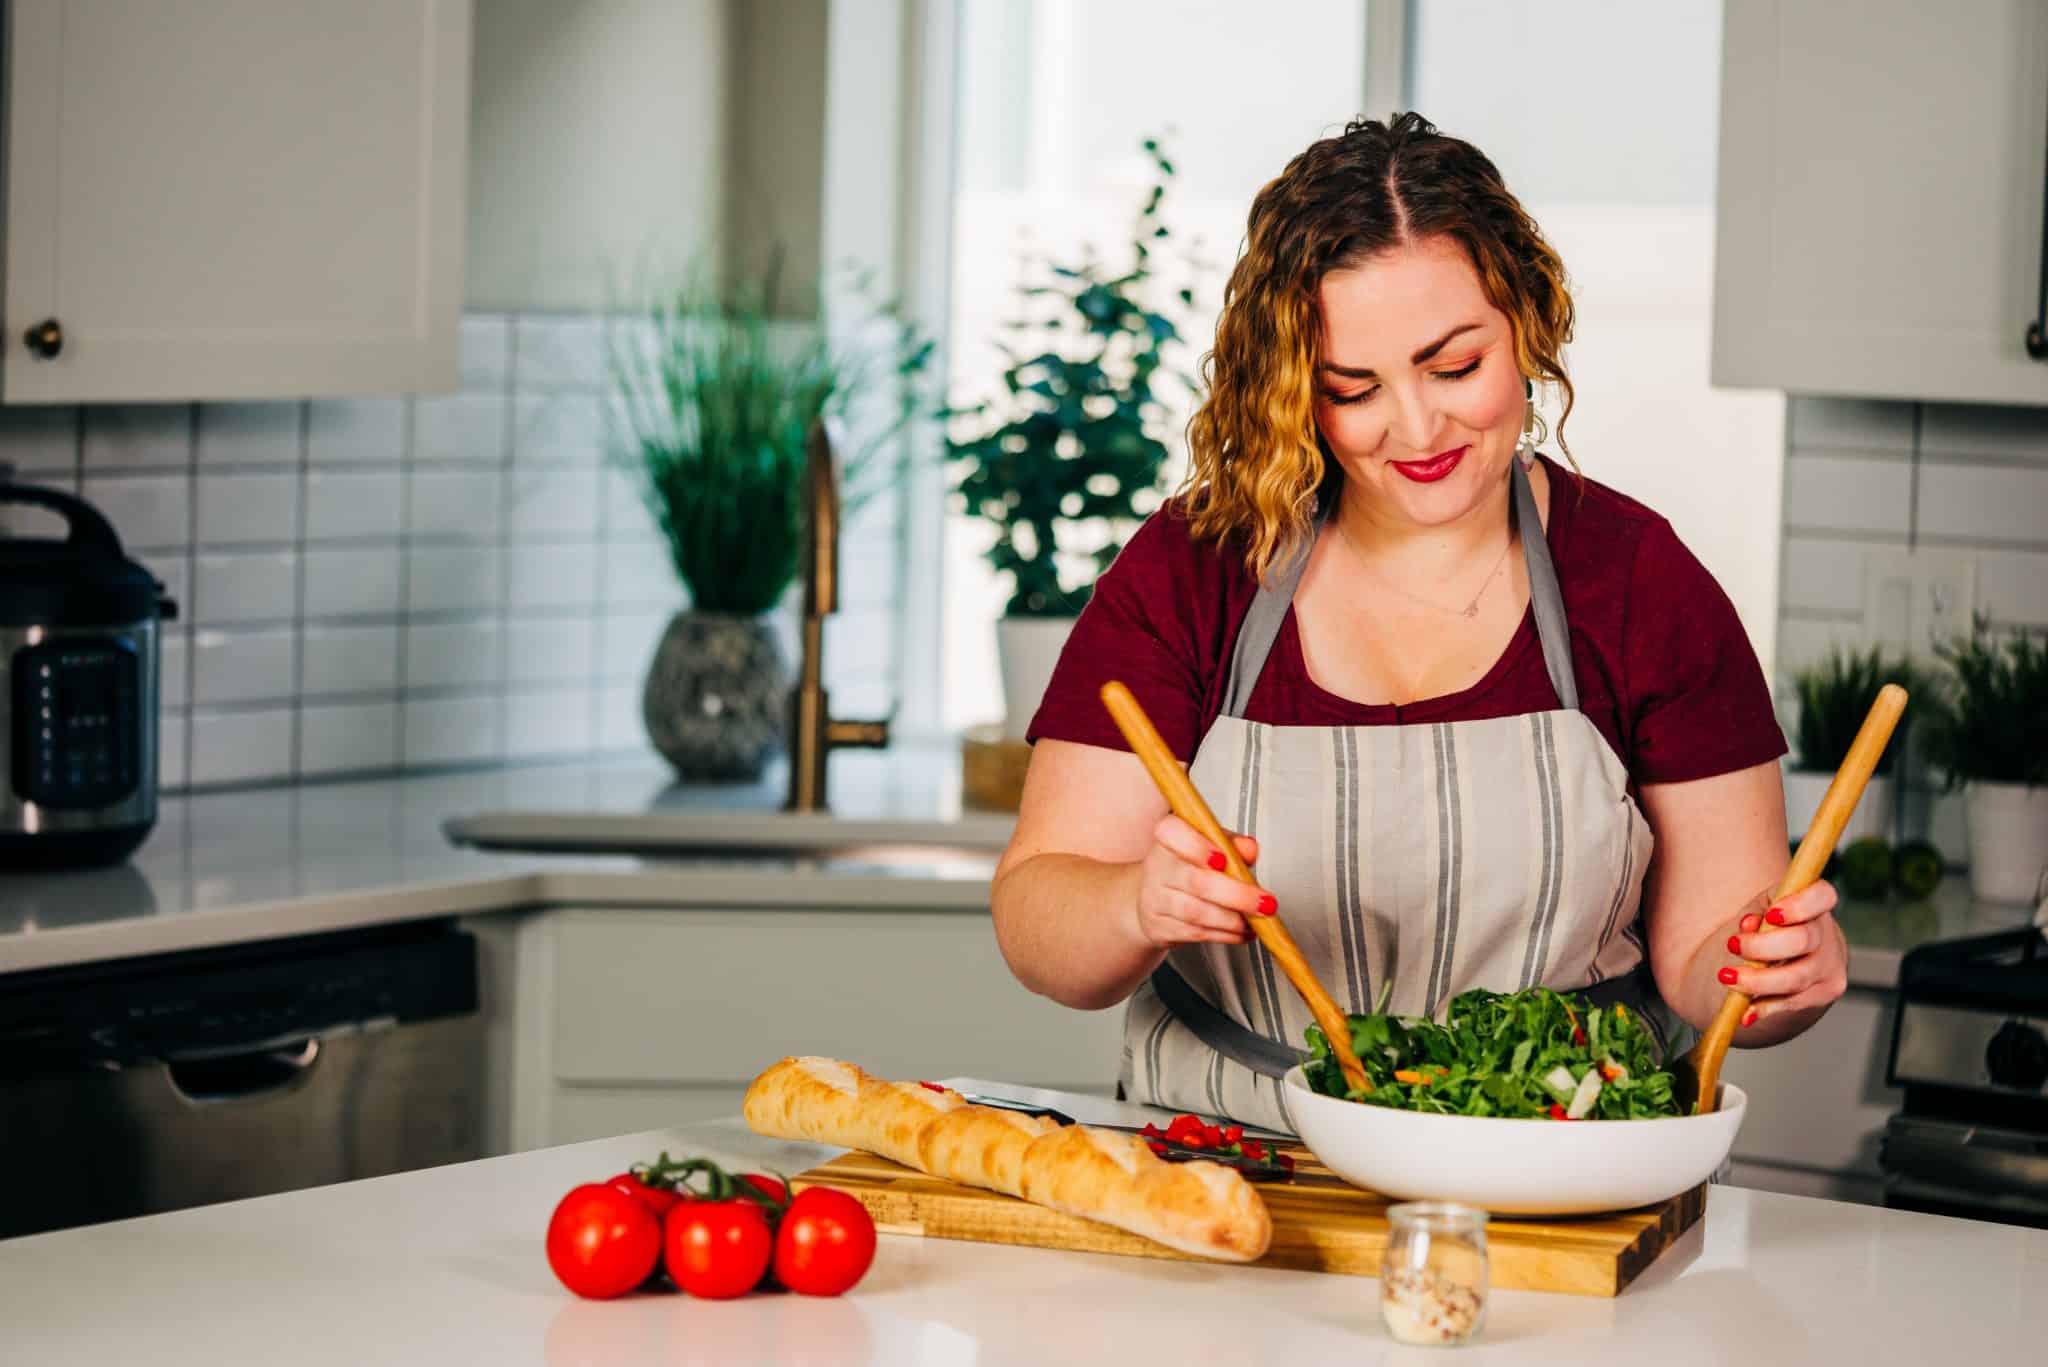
[1526, 1055]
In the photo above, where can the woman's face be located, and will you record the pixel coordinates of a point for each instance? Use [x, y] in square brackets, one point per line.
[1418, 394]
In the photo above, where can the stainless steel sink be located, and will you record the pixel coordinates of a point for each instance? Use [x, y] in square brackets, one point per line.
[972, 841]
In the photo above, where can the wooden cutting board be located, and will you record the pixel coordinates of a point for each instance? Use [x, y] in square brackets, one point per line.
[1320, 1224]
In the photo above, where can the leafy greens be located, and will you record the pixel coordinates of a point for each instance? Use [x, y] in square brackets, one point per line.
[1532, 1054]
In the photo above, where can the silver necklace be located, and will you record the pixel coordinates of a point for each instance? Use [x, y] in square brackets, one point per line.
[1470, 609]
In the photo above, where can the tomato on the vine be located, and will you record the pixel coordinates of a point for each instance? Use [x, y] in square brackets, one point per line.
[774, 1188]
[602, 1242]
[660, 1200]
[826, 1242]
[717, 1249]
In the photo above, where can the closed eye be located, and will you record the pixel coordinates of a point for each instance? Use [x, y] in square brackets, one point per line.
[1362, 395]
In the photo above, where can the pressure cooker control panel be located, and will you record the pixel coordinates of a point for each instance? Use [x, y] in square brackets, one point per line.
[76, 740]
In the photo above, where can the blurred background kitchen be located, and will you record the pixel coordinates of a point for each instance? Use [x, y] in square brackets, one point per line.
[366, 333]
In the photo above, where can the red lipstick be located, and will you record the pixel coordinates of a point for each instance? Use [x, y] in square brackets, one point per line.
[1435, 468]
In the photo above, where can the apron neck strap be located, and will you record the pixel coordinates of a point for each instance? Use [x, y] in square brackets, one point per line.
[1261, 625]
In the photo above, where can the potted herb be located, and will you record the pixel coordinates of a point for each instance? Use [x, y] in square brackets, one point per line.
[1990, 735]
[1068, 457]
[716, 397]
[1834, 698]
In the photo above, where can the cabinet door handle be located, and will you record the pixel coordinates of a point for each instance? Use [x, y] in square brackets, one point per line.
[2037, 331]
[45, 339]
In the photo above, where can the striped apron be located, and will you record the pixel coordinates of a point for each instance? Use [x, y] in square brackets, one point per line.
[1412, 860]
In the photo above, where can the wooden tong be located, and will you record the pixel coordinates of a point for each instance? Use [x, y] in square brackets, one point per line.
[1187, 804]
[1696, 1077]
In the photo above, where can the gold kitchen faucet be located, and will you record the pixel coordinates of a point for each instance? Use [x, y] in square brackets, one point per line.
[813, 732]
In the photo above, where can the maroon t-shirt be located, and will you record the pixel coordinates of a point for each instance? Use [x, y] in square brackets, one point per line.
[1664, 668]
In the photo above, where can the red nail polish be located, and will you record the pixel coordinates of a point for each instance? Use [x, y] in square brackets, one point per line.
[1727, 976]
[1217, 861]
[1734, 944]
[1268, 904]
[1751, 923]
[1775, 917]
[1749, 1018]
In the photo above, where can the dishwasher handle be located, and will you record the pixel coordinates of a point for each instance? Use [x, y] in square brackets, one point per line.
[251, 1076]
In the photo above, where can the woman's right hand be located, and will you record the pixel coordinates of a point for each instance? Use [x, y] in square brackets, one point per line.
[1184, 895]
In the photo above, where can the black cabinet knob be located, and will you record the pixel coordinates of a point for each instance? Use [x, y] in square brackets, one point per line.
[45, 339]
[2017, 1056]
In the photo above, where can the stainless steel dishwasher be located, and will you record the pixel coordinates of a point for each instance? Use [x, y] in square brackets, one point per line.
[176, 1080]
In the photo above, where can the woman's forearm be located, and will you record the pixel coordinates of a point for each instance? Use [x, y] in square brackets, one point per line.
[1068, 927]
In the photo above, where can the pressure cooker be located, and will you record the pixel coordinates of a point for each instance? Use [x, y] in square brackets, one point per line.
[79, 669]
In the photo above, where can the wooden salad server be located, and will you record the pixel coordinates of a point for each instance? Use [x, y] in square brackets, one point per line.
[1696, 1077]
[1187, 804]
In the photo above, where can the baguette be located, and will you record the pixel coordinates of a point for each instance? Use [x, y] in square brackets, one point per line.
[1200, 1208]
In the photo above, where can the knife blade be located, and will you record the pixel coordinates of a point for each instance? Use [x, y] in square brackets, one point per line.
[1167, 1149]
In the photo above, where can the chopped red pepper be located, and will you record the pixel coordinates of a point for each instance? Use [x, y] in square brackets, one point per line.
[1557, 1112]
[934, 1086]
[1578, 1034]
[1233, 1133]
[1254, 1150]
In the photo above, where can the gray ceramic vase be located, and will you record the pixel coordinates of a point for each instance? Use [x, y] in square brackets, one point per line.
[717, 695]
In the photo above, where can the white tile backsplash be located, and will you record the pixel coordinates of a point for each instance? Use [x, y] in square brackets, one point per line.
[137, 436]
[1985, 502]
[257, 586]
[453, 578]
[544, 650]
[241, 746]
[242, 507]
[171, 743]
[249, 434]
[349, 659]
[40, 441]
[339, 738]
[554, 576]
[150, 512]
[418, 581]
[2019, 434]
[559, 353]
[550, 503]
[455, 654]
[456, 505]
[464, 429]
[1846, 493]
[354, 505]
[454, 730]
[355, 431]
[1875, 425]
[2012, 586]
[243, 666]
[353, 581]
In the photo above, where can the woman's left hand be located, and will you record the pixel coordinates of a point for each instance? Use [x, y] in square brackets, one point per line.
[1802, 953]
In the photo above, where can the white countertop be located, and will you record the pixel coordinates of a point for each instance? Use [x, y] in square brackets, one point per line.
[446, 1266]
[231, 867]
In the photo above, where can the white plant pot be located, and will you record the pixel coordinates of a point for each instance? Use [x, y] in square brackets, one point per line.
[1027, 649]
[2008, 839]
[1804, 788]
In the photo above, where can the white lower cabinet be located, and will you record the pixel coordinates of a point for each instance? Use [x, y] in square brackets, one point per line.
[631, 1020]
[1818, 1104]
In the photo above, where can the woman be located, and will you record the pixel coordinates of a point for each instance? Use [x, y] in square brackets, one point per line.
[1481, 722]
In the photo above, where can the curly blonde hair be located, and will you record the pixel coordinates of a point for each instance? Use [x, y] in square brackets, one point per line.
[1257, 463]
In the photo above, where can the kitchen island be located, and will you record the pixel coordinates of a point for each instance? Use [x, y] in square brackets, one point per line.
[446, 1266]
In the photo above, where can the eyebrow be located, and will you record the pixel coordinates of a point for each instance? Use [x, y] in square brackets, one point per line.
[1357, 373]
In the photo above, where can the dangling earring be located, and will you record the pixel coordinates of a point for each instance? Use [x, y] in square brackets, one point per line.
[1525, 449]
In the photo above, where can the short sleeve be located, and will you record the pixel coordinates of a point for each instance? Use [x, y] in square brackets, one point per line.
[1141, 626]
[1698, 704]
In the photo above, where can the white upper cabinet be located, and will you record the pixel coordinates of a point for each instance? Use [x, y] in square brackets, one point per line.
[217, 199]
[1881, 198]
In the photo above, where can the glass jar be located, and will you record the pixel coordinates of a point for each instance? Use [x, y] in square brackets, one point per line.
[1433, 1274]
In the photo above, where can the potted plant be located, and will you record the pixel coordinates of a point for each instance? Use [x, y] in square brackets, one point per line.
[1834, 698]
[1991, 735]
[1068, 457]
[715, 398]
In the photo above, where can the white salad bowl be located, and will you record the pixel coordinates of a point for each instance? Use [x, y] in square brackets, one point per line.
[1514, 1167]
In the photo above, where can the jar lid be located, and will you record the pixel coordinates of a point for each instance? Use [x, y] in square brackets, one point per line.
[1438, 1217]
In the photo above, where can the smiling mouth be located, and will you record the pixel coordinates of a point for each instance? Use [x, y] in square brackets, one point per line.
[1435, 468]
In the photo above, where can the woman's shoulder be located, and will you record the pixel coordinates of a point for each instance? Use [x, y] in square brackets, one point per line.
[1602, 536]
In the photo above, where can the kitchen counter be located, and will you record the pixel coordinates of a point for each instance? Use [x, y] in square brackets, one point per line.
[226, 868]
[446, 1266]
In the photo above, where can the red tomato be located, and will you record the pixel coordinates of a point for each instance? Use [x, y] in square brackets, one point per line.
[826, 1242]
[717, 1249]
[602, 1242]
[769, 1187]
[657, 1199]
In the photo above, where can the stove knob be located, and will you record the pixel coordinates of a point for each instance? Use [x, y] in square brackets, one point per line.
[2017, 1057]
